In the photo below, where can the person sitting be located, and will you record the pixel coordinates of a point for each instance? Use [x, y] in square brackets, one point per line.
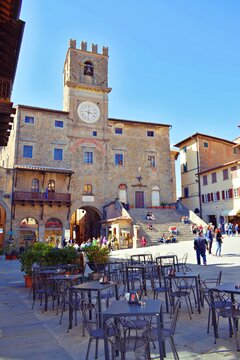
[171, 239]
[150, 216]
[162, 239]
[150, 227]
[173, 230]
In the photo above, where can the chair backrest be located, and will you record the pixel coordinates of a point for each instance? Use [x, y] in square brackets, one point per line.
[220, 301]
[89, 315]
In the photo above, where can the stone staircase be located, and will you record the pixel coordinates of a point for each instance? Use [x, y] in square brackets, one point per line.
[163, 219]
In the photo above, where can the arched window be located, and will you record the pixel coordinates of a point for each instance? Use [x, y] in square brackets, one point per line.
[87, 190]
[88, 68]
[51, 185]
[122, 193]
[35, 185]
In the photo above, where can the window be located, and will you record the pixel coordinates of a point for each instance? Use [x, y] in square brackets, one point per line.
[214, 177]
[236, 192]
[205, 182]
[151, 161]
[185, 167]
[27, 151]
[235, 151]
[88, 157]
[119, 159]
[215, 196]
[225, 174]
[205, 144]
[59, 123]
[87, 189]
[29, 119]
[88, 68]
[206, 198]
[118, 130]
[35, 185]
[184, 149]
[150, 133]
[58, 154]
[234, 172]
[226, 193]
[94, 133]
[186, 192]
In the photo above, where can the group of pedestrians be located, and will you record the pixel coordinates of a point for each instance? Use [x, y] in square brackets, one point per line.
[203, 243]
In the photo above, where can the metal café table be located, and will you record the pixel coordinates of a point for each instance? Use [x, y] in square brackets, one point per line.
[89, 287]
[187, 275]
[72, 278]
[123, 309]
[143, 268]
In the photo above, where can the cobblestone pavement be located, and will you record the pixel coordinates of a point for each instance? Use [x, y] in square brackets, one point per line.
[36, 335]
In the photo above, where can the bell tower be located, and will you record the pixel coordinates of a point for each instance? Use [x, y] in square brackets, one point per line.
[86, 85]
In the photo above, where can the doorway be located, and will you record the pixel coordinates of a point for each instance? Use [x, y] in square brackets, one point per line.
[139, 199]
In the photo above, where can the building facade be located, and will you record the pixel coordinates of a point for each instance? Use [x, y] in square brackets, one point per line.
[199, 153]
[68, 165]
[221, 193]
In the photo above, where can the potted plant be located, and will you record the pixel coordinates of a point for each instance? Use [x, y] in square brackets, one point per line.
[97, 257]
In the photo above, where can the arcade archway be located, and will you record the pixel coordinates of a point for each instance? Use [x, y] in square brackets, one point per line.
[85, 224]
[2, 225]
[28, 232]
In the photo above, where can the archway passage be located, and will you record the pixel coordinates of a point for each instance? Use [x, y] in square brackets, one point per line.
[28, 233]
[85, 224]
[2, 225]
[53, 232]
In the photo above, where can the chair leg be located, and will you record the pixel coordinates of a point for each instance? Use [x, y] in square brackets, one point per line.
[88, 348]
[173, 347]
[96, 349]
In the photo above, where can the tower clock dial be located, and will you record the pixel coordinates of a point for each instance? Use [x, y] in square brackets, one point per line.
[88, 112]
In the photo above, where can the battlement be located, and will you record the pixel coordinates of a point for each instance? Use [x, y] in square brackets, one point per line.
[94, 49]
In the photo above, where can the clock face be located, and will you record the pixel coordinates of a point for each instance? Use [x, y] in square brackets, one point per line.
[88, 112]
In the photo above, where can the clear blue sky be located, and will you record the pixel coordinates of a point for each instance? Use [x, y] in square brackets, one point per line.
[170, 61]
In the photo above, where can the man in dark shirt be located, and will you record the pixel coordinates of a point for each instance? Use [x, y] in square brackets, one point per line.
[200, 245]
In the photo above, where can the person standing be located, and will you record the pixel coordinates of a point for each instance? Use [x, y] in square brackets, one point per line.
[200, 245]
[209, 236]
[218, 242]
[143, 241]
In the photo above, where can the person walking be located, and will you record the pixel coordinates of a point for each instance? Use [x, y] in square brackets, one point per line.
[218, 242]
[200, 246]
[143, 241]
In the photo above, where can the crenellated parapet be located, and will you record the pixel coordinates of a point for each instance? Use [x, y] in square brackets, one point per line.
[84, 47]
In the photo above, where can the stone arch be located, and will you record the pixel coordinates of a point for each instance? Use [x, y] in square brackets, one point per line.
[28, 231]
[85, 223]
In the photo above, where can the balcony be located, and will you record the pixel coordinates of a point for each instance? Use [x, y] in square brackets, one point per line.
[50, 198]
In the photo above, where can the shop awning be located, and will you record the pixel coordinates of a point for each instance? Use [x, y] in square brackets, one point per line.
[230, 212]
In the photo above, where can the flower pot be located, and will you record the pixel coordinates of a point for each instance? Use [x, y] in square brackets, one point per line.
[28, 281]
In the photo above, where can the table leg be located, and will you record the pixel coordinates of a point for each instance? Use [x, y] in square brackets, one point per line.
[161, 343]
[166, 295]
[198, 294]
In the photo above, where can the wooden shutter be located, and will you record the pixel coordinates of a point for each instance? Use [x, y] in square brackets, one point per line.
[223, 194]
[203, 198]
[230, 193]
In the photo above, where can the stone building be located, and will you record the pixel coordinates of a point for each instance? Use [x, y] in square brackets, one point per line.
[220, 193]
[69, 165]
[199, 153]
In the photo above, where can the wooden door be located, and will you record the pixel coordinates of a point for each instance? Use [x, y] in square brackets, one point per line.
[139, 199]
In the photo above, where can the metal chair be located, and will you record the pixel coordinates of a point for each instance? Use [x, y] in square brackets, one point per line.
[223, 306]
[91, 321]
[179, 289]
[168, 332]
[123, 341]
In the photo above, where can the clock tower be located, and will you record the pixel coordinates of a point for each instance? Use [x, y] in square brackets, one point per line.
[86, 87]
